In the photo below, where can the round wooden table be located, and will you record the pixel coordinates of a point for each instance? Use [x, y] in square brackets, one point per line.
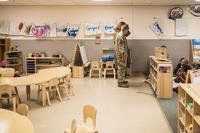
[11, 122]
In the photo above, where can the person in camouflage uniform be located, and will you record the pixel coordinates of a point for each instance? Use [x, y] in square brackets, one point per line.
[121, 55]
[116, 31]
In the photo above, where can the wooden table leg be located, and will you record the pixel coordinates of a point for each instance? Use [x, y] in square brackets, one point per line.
[43, 96]
[17, 93]
[28, 92]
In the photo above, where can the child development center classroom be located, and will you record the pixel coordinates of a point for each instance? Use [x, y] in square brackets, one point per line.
[99, 66]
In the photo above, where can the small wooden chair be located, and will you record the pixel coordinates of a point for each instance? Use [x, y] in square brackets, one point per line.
[22, 109]
[95, 66]
[73, 127]
[64, 85]
[8, 72]
[6, 94]
[89, 111]
[109, 67]
[53, 87]
[42, 87]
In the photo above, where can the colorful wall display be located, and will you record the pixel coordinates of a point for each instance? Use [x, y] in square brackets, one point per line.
[68, 30]
[40, 30]
[109, 27]
[157, 29]
[92, 29]
[196, 50]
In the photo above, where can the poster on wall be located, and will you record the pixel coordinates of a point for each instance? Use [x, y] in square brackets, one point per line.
[4, 27]
[109, 27]
[92, 29]
[157, 29]
[196, 50]
[68, 30]
[181, 28]
[43, 30]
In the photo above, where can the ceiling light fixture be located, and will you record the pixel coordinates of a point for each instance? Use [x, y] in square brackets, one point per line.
[197, 0]
[102, 0]
[4, 0]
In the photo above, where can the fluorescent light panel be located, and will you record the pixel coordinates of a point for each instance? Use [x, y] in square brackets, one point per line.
[102, 0]
[3, 0]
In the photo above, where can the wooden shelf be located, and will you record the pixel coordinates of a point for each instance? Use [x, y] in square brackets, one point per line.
[161, 73]
[191, 94]
[14, 59]
[34, 64]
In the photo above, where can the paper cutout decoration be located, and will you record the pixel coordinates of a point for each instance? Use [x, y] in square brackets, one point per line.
[194, 10]
[109, 27]
[4, 27]
[40, 30]
[92, 29]
[68, 30]
[181, 28]
[176, 13]
[157, 29]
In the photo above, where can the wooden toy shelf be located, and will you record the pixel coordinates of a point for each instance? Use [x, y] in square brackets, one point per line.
[33, 64]
[14, 59]
[189, 108]
[161, 73]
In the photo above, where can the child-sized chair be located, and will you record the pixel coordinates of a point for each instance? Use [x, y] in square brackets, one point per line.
[22, 109]
[90, 112]
[95, 66]
[109, 67]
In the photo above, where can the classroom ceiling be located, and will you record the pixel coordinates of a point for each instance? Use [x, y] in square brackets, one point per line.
[91, 2]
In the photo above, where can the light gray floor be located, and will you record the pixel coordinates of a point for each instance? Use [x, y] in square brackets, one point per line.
[120, 110]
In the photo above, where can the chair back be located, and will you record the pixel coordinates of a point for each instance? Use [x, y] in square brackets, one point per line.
[8, 72]
[95, 64]
[110, 64]
[53, 83]
[73, 126]
[89, 111]
[5, 91]
[22, 109]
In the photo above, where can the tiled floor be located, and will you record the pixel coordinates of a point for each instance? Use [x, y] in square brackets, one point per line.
[120, 110]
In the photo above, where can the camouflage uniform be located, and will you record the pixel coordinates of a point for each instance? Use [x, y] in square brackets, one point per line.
[117, 30]
[121, 54]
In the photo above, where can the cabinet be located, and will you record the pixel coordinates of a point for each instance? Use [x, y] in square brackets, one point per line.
[161, 73]
[189, 108]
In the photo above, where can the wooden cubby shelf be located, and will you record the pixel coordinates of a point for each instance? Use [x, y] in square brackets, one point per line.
[189, 108]
[33, 64]
[161, 77]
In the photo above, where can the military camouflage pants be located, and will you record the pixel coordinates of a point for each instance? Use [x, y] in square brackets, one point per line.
[121, 75]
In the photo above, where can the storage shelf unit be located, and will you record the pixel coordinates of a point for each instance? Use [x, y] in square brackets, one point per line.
[33, 64]
[189, 108]
[4, 46]
[161, 77]
[14, 59]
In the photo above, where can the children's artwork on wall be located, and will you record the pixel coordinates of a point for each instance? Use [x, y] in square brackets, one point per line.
[196, 50]
[156, 27]
[181, 28]
[52, 30]
[40, 30]
[68, 30]
[4, 27]
[109, 27]
[92, 29]
[17, 28]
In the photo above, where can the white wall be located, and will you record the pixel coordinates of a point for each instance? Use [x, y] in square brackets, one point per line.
[138, 17]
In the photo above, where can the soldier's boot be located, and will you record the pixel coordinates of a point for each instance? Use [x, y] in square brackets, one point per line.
[123, 85]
